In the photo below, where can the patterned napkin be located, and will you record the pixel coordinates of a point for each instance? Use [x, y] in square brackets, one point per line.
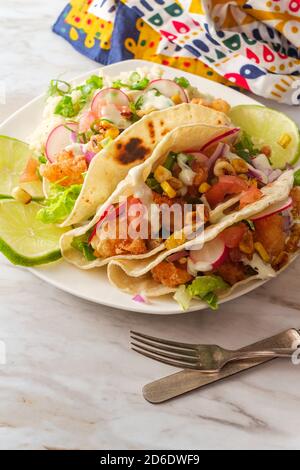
[252, 44]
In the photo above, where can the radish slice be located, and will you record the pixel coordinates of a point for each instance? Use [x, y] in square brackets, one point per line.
[59, 139]
[230, 134]
[210, 257]
[86, 120]
[112, 98]
[274, 209]
[168, 88]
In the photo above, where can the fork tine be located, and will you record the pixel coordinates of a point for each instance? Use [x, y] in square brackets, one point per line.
[164, 341]
[173, 349]
[175, 357]
[180, 365]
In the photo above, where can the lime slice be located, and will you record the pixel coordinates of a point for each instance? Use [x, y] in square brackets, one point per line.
[269, 127]
[14, 155]
[23, 239]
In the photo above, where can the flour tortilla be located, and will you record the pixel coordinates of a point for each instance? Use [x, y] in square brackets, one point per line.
[134, 276]
[193, 136]
[131, 148]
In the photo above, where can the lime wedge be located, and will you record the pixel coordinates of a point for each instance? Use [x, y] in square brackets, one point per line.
[269, 127]
[23, 239]
[14, 155]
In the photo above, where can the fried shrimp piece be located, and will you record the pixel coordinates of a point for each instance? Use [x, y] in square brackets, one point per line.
[112, 247]
[67, 169]
[114, 241]
[160, 199]
[170, 275]
[201, 173]
[269, 232]
[295, 195]
[218, 105]
[232, 272]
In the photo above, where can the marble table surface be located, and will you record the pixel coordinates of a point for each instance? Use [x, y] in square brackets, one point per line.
[71, 381]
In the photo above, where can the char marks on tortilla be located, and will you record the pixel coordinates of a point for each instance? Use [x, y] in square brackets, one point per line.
[132, 151]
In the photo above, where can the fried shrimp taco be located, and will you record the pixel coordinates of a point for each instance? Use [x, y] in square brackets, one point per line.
[93, 133]
[256, 242]
[192, 180]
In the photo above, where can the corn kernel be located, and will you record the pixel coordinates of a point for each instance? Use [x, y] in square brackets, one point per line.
[103, 123]
[175, 240]
[284, 141]
[176, 99]
[113, 132]
[168, 189]
[262, 252]
[162, 174]
[239, 165]
[252, 182]
[204, 187]
[21, 195]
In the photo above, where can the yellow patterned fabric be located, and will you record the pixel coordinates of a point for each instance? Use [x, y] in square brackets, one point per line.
[252, 44]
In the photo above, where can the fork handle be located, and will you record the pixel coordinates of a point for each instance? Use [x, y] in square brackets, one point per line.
[281, 352]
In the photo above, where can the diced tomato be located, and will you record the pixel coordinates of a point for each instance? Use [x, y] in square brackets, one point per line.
[226, 185]
[253, 194]
[138, 210]
[30, 173]
[233, 235]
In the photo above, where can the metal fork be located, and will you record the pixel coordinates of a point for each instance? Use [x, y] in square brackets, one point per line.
[206, 358]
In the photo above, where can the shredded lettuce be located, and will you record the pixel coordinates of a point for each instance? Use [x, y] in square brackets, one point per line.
[59, 204]
[82, 244]
[204, 287]
[212, 300]
[183, 297]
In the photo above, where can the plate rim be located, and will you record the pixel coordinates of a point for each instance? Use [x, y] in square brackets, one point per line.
[131, 307]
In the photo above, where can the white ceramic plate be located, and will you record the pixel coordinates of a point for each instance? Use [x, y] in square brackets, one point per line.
[93, 285]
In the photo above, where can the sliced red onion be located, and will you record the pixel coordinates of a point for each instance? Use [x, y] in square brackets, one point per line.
[140, 299]
[287, 223]
[262, 163]
[274, 175]
[218, 153]
[178, 255]
[258, 175]
[230, 133]
[89, 155]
